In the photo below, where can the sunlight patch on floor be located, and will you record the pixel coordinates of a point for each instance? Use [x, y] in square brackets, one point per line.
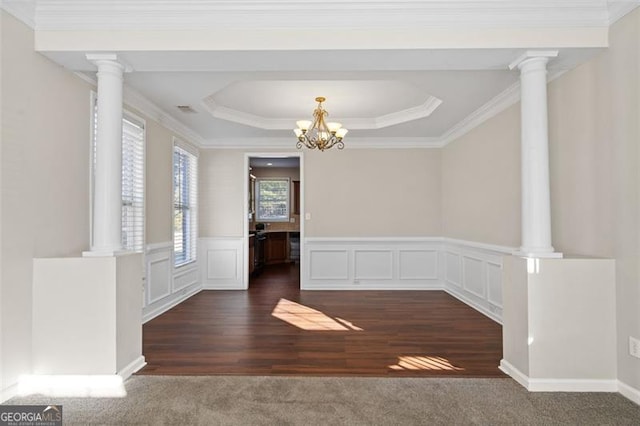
[424, 363]
[307, 318]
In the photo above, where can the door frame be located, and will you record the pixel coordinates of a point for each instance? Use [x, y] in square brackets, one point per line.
[245, 209]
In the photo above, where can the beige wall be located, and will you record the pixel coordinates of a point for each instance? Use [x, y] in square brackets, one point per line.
[594, 134]
[158, 182]
[45, 171]
[45, 180]
[221, 181]
[372, 193]
[357, 192]
[595, 171]
[481, 182]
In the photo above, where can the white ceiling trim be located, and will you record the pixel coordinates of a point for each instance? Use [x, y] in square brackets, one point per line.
[496, 105]
[253, 120]
[350, 143]
[248, 119]
[490, 109]
[172, 15]
[24, 10]
[404, 116]
[136, 100]
[619, 8]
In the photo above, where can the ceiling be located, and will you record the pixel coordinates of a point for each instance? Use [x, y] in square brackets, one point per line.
[252, 94]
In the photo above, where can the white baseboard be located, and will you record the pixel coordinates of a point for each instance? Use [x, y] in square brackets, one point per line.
[629, 392]
[134, 366]
[514, 373]
[164, 307]
[8, 393]
[370, 286]
[558, 385]
[467, 301]
[572, 385]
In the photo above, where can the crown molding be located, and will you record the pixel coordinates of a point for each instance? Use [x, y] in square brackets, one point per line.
[159, 14]
[350, 143]
[23, 10]
[619, 8]
[241, 117]
[496, 105]
[409, 114]
[499, 103]
[137, 100]
[397, 117]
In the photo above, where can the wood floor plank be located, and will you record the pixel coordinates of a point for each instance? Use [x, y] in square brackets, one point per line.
[276, 329]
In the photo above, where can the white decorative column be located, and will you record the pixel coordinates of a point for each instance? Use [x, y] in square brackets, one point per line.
[107, 191]
[536, 202]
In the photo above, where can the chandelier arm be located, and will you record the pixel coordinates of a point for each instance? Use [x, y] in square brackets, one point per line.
[318, 135]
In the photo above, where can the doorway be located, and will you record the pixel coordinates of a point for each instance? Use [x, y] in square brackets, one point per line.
[273, 213]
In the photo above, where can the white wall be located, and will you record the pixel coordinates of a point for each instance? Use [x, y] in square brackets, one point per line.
[45, 170]
[552, 343]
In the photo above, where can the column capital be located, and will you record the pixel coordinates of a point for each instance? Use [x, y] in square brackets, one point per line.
[110, 59]
[544, 55]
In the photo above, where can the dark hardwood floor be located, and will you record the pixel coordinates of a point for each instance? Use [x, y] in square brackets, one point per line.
[276, 329]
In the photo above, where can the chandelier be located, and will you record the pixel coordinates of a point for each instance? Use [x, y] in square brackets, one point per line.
[319, 134]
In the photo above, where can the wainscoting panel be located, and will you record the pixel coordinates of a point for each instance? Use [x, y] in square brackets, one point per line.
[473, 280]
[158, 275]
[165, 286]
[452, 268]
[329, 264]
[494, 283]
[473, 274]
[185, 277]
[222, 266]
[418, 264]
[371, 263]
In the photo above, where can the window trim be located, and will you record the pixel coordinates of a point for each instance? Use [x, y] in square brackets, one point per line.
[257, 199]
[177, 143]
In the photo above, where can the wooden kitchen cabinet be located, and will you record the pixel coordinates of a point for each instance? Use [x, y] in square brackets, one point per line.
[296, 197]
[276, 247]
[252, 254]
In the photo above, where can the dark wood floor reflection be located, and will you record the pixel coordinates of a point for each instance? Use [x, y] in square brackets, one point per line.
[276, 329]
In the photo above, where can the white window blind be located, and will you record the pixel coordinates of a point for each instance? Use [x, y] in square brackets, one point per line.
[133, 137]
[272, 200]
[132, 185]
[185, 209]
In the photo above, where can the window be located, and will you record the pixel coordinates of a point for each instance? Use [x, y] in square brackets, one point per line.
[185, 209]
[272, 203]
[133, 137]
[132, 185]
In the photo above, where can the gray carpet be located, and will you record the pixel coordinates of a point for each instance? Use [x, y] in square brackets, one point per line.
[233, 400]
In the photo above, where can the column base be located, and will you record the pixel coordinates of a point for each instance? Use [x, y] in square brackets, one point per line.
[105, 253]
[533, 253]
